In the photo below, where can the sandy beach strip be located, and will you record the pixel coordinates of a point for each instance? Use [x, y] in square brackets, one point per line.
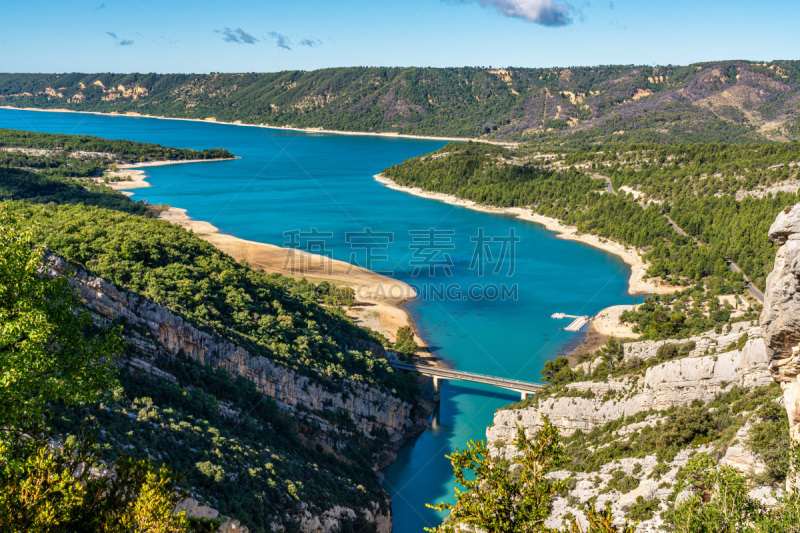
[390, 135]
[638, 285]
[131, 176]
[378, 299]
[607, 322]
[604, 325]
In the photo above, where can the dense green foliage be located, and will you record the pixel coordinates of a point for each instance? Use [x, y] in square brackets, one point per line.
[708, 190]
[44, 188]
[481, 173]
[51, 350]
[98, 147]
[235, 450]
[576, 105]
[769, 438]
[684, 313]
[667, 172]
[51, 490]
[175, 268]
[404, 342]
[719, 503]
[38, 167]
[513, 495]
[231, 445]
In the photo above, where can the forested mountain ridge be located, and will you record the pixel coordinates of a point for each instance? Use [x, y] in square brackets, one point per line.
[735, 101]
[268, 403]
[89, 147]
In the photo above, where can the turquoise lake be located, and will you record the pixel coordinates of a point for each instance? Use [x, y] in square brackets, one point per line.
[290, 182]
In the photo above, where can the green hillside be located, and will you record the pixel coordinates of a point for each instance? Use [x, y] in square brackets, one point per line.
[733, 101]
[230, 446]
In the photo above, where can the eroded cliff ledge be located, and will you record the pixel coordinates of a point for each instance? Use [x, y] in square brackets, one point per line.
[372, 410]
[780, 319]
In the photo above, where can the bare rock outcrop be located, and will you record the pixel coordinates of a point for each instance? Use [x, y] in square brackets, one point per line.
[780, 319]
[673, 383]
[588, 405]
[195, 509]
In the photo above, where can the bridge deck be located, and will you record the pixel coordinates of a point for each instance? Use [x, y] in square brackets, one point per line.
[446, 373]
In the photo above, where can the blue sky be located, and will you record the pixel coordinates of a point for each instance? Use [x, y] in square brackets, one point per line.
[242, 35]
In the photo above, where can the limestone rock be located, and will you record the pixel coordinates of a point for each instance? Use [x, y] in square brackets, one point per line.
[370, 408]
[780, 319]
[673, 383]
[195, 509]
[705, 343]
[786, 225]
[739, 456]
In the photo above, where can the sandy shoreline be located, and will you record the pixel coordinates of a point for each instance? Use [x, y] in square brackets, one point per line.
[213, 120]
[379, 299]
[132, 178]
[638, 285]
[603, 326]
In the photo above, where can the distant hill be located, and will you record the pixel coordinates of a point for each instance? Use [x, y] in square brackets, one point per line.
[734, 101]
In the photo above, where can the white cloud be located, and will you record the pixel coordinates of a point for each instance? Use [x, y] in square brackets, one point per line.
[544, 12]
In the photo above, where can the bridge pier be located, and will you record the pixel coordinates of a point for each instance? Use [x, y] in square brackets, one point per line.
[523, 395]
[437, 385]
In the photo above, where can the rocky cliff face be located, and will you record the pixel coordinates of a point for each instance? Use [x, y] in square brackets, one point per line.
[674, 383]
[629, 479]
[781, 316]
[371, 409]
[374, 412]
[772, 352]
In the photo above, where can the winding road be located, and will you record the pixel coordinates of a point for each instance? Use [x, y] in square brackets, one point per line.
[757, 294]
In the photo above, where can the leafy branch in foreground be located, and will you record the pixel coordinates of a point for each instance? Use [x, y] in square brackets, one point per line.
[513, 496]
[718, 502]
[44, 488]
[50, 349]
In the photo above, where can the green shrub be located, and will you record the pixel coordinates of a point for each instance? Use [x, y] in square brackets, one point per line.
[643, 509]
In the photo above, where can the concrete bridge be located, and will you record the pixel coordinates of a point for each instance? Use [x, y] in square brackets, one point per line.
[438, 374]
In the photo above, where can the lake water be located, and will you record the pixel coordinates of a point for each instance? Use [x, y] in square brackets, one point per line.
[501, 278]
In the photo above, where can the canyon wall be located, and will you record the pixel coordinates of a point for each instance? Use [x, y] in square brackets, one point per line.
[781, 316]
[156, 331]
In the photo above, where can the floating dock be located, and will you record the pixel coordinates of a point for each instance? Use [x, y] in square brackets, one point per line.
[577, 323]
[563, 315]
